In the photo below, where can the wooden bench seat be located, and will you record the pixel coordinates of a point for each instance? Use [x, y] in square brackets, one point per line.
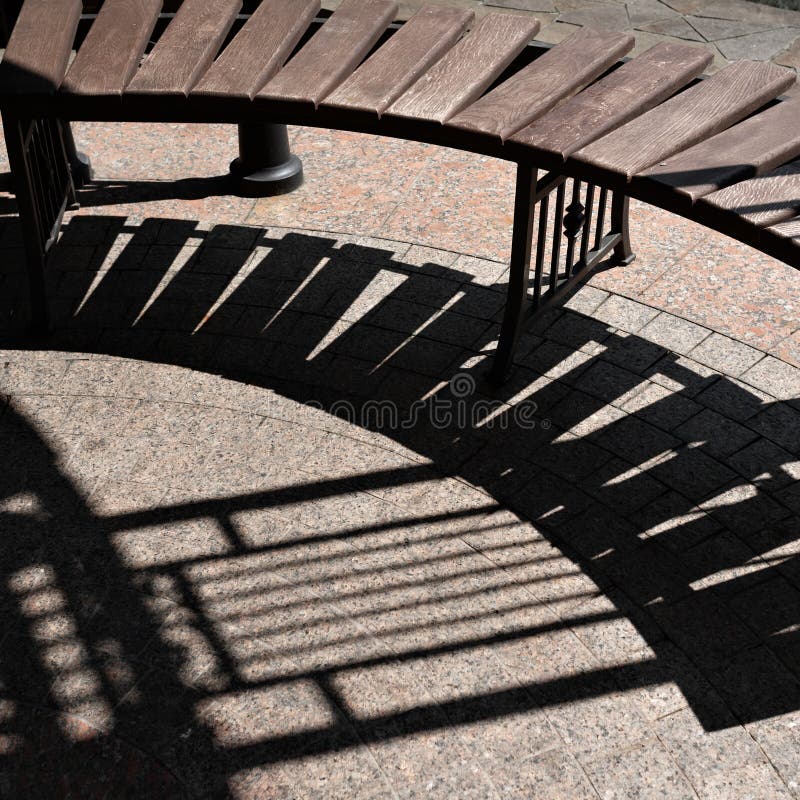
[721, 150]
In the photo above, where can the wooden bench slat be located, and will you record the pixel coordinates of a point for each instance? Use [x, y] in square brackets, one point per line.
[38, 50]
[387, 73]
[186, 48]
[259, 49]
[633, 88]
[332, 54]
[750, 148]
[112, 49]
[695, 114]
[763, 201]
[551, 78]
[468, 69]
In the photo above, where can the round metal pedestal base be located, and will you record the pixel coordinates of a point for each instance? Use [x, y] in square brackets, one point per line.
[268, 181]
[81, 168]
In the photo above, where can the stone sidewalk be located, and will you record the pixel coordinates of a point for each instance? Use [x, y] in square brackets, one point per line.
[730, 29]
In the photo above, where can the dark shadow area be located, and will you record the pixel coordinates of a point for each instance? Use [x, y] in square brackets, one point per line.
[108, 192]
[689, 531]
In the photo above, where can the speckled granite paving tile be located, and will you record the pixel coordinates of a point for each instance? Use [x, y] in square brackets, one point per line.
[677, 335]
[775, 377]
[645, 770]
[626, 314]
[696, 283]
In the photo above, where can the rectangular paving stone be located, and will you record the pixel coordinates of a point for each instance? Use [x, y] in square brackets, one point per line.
[773, 466]
[609, 382]
[780, 740]
[586, 299]
[681, 374]
[775, 377]
[644, 770]
[700, 753]
[756, 684]
[623, 488]
[632, 352]
[624, 313]
[659, 406]
[636, 441]
[780, 423]
[692, 473]
[733, 399]
[790, 497]
[726, 355]
[546, 498]
[570, 456]
[557, 362]
[575, 330]
[675, 522]
[723, 564]
[720, 436]
[674, 333]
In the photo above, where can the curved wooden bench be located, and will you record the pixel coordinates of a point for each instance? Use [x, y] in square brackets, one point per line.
[722, 150]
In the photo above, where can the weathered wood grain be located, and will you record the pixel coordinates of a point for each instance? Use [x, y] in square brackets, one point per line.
[753, 147]
[186, 48]
[259, 49]
[468, 69]
[38, 51]
[551, 78]
[112, 49]
[763, 201]
[332, 54]
[628, 91]
[691, 116]
[388, 72]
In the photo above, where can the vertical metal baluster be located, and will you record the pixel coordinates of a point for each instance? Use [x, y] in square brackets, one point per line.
[17, 135]
[34, 161]
[601, 218]
[555, 257]
[541, 241]
[54, 185]
[573, 224]
[587, 222]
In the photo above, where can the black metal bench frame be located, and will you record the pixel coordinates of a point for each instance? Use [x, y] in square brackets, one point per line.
[46, 171]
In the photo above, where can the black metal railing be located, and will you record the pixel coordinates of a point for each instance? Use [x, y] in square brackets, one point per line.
[50, 179]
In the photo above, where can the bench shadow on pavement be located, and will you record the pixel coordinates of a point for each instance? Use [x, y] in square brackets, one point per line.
[711, 589]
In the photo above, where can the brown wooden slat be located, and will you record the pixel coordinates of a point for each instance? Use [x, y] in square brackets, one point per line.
[186, 48]
[699, 112]
[38, 50]
[628, 91]
[763, 201]
[468, 69]
[753, 147]
[551, 78]
[387, 73]
[332, 53]
[259, 49]
[113, 47]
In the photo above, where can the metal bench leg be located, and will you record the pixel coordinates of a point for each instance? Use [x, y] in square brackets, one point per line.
[266, 165]
[35, 254]
[79, 163]
[623, 254]
[518, 303]
[43, 186]
[585, 250]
